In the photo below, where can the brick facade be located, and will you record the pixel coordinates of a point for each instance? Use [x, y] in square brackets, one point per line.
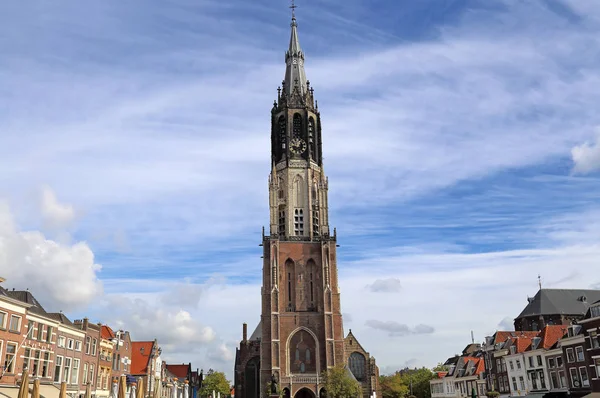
[89, 352]
[13, 326]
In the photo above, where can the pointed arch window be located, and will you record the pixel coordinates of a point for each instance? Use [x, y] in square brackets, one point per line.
[297, 126]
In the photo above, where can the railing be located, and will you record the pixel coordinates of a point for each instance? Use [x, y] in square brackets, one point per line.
[299, 379]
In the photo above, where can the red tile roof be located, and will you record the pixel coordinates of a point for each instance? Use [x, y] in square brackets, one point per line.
[139, 357]
[551, 334]
[440, 375]
[502, 336]
[181, 371]
[107, 333]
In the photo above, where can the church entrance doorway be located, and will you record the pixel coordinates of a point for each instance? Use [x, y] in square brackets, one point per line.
[304, 393]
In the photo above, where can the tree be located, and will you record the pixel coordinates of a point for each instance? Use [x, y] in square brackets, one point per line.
[339, 384]
[214, 381]
[440, 367]
[407, 382]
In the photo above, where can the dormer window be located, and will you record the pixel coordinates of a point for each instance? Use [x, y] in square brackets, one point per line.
[513, 349]
[595, 311]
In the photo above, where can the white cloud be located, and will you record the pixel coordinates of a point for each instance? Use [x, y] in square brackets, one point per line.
[55, 214]
[586, 157]
[389, 285]
[62, 276]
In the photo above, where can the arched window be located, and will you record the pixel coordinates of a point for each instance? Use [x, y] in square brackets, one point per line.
[357, 364]
[302, 351]
[297, 126]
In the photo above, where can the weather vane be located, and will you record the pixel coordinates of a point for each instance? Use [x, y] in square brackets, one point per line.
[293, 7]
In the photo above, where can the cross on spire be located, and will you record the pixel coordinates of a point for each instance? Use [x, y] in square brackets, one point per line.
[293, 7]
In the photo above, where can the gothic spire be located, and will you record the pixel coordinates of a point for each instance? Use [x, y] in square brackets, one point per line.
[295, 77]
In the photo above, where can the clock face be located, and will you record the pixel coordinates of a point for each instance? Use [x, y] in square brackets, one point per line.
[297, 146]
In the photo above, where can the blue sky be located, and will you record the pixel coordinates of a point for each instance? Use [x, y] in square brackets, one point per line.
[460, 141]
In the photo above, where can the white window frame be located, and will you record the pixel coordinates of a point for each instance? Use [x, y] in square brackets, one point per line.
[571, 372]
[518, 364]
[570, 350]
[46, 361]
[40, 332]
[94, 346]
[70, 344]
[4, 319]
[85, 372]
[66, 375]
[579, 350]
[49, 330]
[12, 365]
[78, 345]
[58, 362]
[61, 341]
[18, 323]
[75, 370]
[587, 377]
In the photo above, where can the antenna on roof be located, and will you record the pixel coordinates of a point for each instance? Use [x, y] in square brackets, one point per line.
[540, 281]
[472, 337]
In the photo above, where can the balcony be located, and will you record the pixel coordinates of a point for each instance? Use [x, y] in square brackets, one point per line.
[299, 379]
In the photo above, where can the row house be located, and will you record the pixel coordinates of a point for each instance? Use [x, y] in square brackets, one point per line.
[465, 376]
[147, 364]
[591, 332]
[121, 363]
[36, 353]
[105, 362]
[495, 349]
[89, 354]
[68, 355]
[528, 360]
[13, 321]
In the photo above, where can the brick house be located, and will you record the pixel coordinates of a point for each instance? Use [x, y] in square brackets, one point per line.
[39, 342]
[147, 364]
[465, 375]
[69, 353]
[555, 307]
[576, 366]
[495, 348]
[105, 362]
[13, 321]
[591, 333]
[535, 357]
[90, 351]
[121, 363]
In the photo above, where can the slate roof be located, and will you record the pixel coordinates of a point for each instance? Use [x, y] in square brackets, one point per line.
[257, 334]
[26, 297]
[62, 318]
[560, 301]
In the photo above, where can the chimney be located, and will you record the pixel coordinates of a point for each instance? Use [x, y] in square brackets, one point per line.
[245, 332]
[85, 323]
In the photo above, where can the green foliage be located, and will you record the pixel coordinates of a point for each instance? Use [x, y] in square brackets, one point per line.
[398, 385]
[440, 368]
[492, 394]
[214, 381]
[339, 384]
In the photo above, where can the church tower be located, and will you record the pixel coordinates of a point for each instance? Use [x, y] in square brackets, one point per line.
[300, 334]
